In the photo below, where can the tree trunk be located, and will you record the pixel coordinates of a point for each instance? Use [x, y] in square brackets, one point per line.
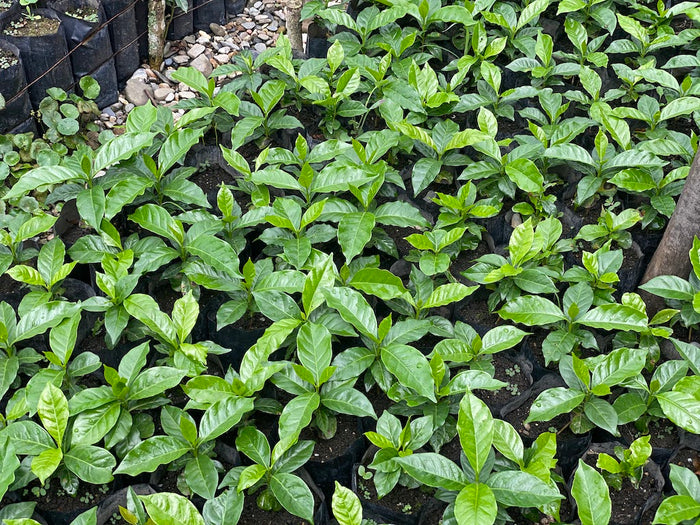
[156, 32]
[671, 256]
[292, 13]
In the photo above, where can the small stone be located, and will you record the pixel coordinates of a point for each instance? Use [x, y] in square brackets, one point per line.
[196, 50]
[253, 12]
[204, 39]
[260, 47]
[162, 93]
[128, 107]
[258, 4]
[217, 29]
[116, 106]
[140, 73]
[168, 61]
[170, 97]
[273, 27]
[136, 91]
[264, 37]
[222, 58]
[262, 18]
[187, 94]
[202, 64]
[190, 39]
[248, 25]
[181, 59]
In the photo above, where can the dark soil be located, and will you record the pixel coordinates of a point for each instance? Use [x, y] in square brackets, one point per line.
[327, 449]
[509, 372]
[210, 179]
[89, 14]
[664, 434]
[399, 236]
[38, 26]
[400, 500]
[254, 515]
[689, 459]
[56, 499]
[476, 313]
[7, 59]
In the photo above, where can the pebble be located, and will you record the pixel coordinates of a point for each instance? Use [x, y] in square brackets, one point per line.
[256, 28]
[196, 50]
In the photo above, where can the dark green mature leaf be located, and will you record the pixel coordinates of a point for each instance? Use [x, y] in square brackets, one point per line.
[553, 402]
[354, 232]
[522, 489]
[39, 178]
[293, 494]
[90, 463]
[682, 408]
[151, 453]
[222, 416]
[348, 401]
[475, 430]
[154, 381]
[410, 367]
[201, 476]
[381, 283]
[532, 310]
[615, 317]
[433, 470]
[353, 308]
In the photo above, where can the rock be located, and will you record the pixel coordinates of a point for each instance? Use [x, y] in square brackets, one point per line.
[137, 90]
[204, 39]
[181, 60]
[162, 93]
[128, 107]
[222, 58]
[258, 4]
[140, 73]
[260, 47]
[253, 12]
[273, 27]
[202, 64]
[108, 112]
[168, 62]
[248, 25]
[264, 37]
[196, 50]
[224, 50]
[217, 29]
[262, 18]
[190, 39]
[170, 97]
[187, 94]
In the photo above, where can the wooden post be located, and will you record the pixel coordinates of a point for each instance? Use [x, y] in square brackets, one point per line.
[156, 32]
[292, 13]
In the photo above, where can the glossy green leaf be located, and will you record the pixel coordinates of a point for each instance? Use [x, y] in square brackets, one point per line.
[354, 232]
[476, 505]
[166, 508]
[553, 402]
[410, 367]
[475, 430]
[592, 496]
[293, 494]
[151, 453]
[53, 412]
[433, 470]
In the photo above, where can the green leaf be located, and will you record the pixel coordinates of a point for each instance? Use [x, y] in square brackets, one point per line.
[346, 506]
[184, 316]
[681, 408]
[592, 495]
[525, 174]
[669, 287]
[381, 283]
[348, 401]
[314, 348]
[145, 309]
[615, 317]
[680, 106]
[619, 365]
[522, 489]
[410, 367]
[176, 146]
[475, 430]
[296, 416]
[53, 412]
[226, 508]
[217, 253]
[90, 463]
[222, 416]
[433, 470]
[601, 414]
[154, 381]
[677, 509]
[476, 505]
[354, 232]
[92, 425]
[151, 453]
[39, 178]
[532, 310]
[353, 308]
[156, 219]
[553, 402]
[166, 508]
[121, 147]
[253, 443]
[293, 494]
[448, 294]
[9, 366]
[28, 438]
[46, 463]
[501, 338]
[201, 476]
[424, 172]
